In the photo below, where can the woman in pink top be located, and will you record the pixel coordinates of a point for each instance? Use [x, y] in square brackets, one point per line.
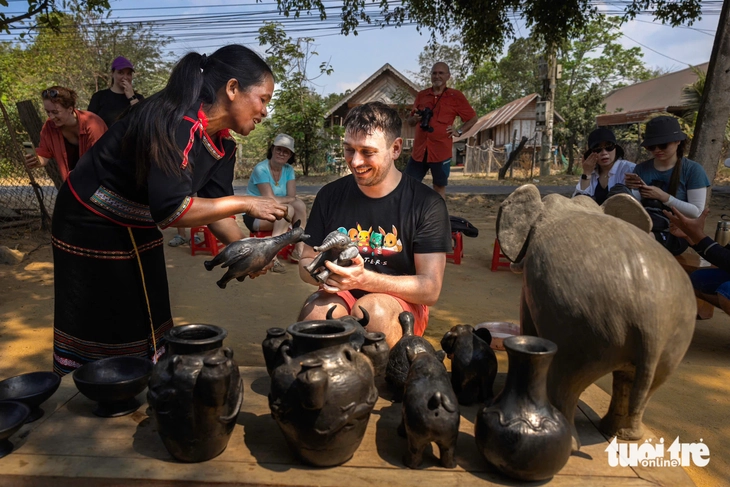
[67, 134]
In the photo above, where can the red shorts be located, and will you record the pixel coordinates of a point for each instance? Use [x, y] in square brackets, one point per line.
[420, 311]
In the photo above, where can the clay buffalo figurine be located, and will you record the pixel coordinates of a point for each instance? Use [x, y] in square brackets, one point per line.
[372, 344]
[398, 365]
[473, 363]
[336, 247]
[430, 410]
[250, 255]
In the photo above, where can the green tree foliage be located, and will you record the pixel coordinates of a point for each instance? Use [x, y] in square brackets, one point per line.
[297, 109]
[486, 25]
[45, 13]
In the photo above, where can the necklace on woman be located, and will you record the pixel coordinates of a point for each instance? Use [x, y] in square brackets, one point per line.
[275, 177]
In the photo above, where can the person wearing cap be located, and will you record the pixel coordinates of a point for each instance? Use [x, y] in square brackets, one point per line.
[668, 180]
[274, 178]
[67, 134]
[110, 103]
[604, 168]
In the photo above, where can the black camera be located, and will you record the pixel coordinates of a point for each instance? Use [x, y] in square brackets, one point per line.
[426, 115]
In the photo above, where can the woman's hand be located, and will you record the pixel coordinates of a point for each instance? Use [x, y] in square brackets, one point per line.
[32, 161]
[633, 181]
[691, 229]
[589, 163]
[653, 193]
[267, 209]
[126, 85]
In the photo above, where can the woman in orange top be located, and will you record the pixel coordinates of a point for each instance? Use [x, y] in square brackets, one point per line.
[67, 134]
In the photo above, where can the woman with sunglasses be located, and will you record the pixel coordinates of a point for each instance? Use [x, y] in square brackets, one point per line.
[168, 163]
[274, 178]
[67, 134]
[604, 168]
[668, 180]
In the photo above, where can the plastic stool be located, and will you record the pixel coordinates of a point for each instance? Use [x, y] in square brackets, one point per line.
[210, 244]
[497, 255]
[284, 253]
[458, 251]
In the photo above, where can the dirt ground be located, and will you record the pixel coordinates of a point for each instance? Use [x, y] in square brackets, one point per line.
[693, 404]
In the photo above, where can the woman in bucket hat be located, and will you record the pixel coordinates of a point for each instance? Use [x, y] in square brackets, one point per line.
[604, 167]
[274, 178]
[668, 179]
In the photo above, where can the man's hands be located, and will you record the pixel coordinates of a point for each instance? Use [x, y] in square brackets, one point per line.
[353, 276]
[691, 229]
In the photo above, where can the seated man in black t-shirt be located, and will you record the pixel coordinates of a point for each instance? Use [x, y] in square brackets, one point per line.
[401, 228]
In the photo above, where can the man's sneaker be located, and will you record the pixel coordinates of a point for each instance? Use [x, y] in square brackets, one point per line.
[177, 240]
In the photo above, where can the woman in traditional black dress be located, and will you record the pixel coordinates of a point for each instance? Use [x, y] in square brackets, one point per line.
[111, 293]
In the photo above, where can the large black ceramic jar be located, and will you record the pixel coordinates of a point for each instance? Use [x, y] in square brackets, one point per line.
[520, 432]
[322, 393]
[195, 393]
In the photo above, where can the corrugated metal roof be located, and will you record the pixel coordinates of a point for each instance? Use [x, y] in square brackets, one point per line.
[386, 67]
[500, 116]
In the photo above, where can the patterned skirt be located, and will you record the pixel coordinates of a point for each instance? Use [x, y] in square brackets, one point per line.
[100, 304]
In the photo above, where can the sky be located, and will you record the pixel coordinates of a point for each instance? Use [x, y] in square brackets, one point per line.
[204, 25]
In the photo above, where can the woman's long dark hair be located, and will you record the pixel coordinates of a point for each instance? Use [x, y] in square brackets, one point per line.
[196, 79]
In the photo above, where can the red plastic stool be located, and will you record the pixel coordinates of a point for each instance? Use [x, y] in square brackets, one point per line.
[497, 255]
[210, 244]
[284, 253]
[458, 251]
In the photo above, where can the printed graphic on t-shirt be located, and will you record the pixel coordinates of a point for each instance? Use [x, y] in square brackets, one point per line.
[375, 246]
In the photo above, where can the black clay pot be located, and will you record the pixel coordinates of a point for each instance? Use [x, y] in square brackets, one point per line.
[195, 393]
[114, 383]
[32, 389]
[376, 349]
[275, 337]
[323, 392]
[13, 415]
[520, 432]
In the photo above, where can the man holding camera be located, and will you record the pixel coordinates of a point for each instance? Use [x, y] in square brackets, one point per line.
[434, 112]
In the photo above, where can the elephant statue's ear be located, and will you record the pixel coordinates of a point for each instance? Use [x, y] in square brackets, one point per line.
[628, 209]
[517, 215]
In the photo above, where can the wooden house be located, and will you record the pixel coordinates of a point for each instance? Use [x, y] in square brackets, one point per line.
[500, 127]
[386, 85]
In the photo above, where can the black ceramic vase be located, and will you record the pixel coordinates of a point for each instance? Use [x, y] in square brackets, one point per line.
[376, 349]
[520, 432]
[195, 393]
[275, 337]
[323, 392]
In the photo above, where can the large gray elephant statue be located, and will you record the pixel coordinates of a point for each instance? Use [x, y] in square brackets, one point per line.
[606, 292]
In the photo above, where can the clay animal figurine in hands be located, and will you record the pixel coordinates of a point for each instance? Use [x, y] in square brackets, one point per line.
[250, 255]
[398, 365]
[336, 247]
[430, 410]
[622, 305]
[473, 363]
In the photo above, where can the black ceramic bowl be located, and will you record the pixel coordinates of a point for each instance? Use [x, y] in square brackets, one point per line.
[13, 415]
[32, 389]
[113, 383]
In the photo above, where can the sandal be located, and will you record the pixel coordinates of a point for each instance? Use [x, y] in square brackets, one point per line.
[177, 240]
[278, 267]
[198, 239]
[295, 256]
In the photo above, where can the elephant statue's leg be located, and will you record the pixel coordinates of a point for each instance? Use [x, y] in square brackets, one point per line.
[619, 420]
[527, 325]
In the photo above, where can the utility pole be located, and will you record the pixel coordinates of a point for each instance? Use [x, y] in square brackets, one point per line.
[714, 111]
[549, 72]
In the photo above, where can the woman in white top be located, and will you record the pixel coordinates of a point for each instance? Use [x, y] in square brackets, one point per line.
[604, 169]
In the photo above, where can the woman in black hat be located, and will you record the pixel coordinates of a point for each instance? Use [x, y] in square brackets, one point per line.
[604, 168]
[668, 179]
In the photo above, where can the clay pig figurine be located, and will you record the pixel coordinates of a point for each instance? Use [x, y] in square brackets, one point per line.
[398, 365]
[250, 255]
[430, 410]
[336, 247]
[473, 363]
